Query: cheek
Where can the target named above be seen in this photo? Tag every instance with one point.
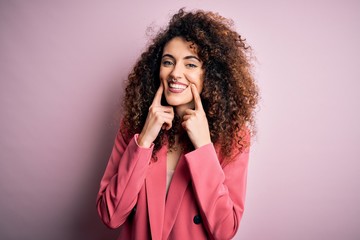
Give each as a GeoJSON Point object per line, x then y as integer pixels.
{"type": "Point", "coordinates": [162, 77]}
{"type": "Point", "coordinates": [200, 85]}
{"type": "Point", "coordinates": [161, 74]}
{"type": "Point", "coordinates": [198, 80]}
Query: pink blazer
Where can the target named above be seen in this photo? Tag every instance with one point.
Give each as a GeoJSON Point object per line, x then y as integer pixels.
{"type": "Point", "coordinates": [204, 200]}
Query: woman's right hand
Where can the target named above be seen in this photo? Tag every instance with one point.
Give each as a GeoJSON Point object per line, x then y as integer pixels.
{"type": "Point", "coordinates": [159, 117]}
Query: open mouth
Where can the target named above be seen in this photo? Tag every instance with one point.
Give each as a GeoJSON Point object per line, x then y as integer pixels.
{"type": "Point", "coordinates": [177, 87]}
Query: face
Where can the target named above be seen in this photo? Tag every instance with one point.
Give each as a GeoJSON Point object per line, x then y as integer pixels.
{"type": "Point", "coordinates": [180, 66]}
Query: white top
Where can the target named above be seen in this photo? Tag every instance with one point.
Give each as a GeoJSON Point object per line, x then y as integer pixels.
{"type": "Point", "coordinates": [169, 176]}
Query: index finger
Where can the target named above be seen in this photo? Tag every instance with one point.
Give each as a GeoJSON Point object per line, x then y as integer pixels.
{"type": "Point", "coordinates": [196, 95]}
{"type": "Point", "coordinates": [158, 95]}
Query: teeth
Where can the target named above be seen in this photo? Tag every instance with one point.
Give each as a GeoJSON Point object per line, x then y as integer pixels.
{"type": "Point", "coordinates": [177, 86]}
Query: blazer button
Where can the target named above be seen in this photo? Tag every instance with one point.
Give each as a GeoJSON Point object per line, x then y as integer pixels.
{"type": "Point", "coordinates": [197, 219]}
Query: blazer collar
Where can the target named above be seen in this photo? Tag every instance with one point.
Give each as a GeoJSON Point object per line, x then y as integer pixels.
{"type": "Point", "coordinates": [177, 188]}
{"type": "Point", "coordinates": [163, 210]}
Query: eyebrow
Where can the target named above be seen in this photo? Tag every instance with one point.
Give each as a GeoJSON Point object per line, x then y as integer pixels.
{"type": "Point", "coordinates": [187, 57]}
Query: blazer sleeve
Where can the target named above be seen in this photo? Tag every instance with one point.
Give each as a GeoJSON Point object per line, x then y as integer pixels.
{"type": "Point", "coordinates": [122, 180]}
{"type": "Point", "coordinates": [220, 192]}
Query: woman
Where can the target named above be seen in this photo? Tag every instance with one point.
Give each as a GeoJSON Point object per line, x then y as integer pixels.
{"type": "Point", "coordinates": [179, 163]}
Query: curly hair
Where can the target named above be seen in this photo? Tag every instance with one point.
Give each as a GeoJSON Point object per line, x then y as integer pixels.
{"type": "Point", "coordinates": [229, 95]}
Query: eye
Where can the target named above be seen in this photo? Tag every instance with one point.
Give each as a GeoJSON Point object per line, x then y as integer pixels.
{"type": "Point", "coordinates": [167, 63]}
{"type": "Point", "coordinates": [190, 65]}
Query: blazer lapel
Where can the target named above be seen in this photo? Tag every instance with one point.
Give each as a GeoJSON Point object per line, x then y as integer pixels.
{"type": "Point", "coordinates": [177, 188]}
{"type": "Point", "coordinates": [155, 189]}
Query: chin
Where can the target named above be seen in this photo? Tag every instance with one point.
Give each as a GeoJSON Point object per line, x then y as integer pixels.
{"type": "Point", "coordinates": [176, 102]}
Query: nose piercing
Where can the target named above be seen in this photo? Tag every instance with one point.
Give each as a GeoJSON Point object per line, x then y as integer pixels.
{"type": "Point", "coordinates": [174, 80]}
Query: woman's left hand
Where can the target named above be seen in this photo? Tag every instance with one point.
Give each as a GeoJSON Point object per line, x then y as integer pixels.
{"type": "Point", "coordinates": [195, 122]}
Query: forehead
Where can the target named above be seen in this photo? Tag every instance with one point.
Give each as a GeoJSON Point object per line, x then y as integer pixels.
{"type": "Point", "coordinates": [181, 46]}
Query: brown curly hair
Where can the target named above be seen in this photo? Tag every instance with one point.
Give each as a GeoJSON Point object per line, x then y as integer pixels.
{"type": "Point", "coordinates": [229, 94]}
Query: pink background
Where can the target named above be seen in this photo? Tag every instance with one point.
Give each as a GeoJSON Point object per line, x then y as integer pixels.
{"type": "Point", "coordinates": [62, 66]}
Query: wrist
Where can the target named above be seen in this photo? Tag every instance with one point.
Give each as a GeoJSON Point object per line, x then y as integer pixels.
{"type": "Point", "coordinates": [199, 145]}
{"type": "Point", "coordinates": [142, 142]}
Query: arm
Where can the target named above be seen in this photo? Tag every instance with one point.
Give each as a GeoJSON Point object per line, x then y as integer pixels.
{"type": "Point", "coordinates": [220, 192]}
{"type": "Point", "coordinates": [122, 180]}
{"type": "Point", "coordinates": [125, 174]}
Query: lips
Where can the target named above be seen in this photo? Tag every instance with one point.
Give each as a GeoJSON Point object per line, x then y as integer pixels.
{"type": "Point", "coordinates": [177, 87]}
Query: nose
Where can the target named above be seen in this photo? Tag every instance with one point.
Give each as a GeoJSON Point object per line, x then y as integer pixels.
{"type": "Point", "coordinates": [176, 72]}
